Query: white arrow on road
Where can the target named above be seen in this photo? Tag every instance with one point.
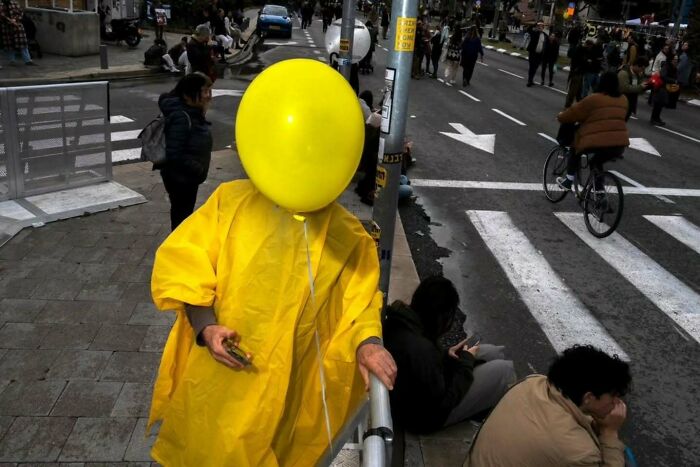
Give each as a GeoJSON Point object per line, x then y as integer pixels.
{"type": "Point", "coordinates": [466, 136]}
{"type": "Point", "coordinates": [226, 92]}
{"type": "Point", "coordinates": [640, 144]}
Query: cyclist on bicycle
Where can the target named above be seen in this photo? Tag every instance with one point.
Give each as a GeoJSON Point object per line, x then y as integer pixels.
{"type": "Point", "coordinates": [602, 131]}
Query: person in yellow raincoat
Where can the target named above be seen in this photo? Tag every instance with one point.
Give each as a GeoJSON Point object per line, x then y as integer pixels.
{"type": "Point", "coordinates": [294, 294]}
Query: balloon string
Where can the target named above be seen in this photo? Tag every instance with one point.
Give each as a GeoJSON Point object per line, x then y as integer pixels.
{"type": "Point", "coordinates": [317, 338]}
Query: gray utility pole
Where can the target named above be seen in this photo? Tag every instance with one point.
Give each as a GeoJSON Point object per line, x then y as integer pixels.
{"type": "Point", "coordinates": [397, 78]}
{"type": "Point", "coordinates": [347, 34]}
{"type": "Point", "coordinates": [679, 18]}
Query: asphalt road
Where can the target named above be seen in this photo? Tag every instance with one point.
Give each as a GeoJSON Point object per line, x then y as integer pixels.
{"type": "Point", "coordinates": [526, 278]}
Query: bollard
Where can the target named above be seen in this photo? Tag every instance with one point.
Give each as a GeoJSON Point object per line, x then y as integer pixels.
{"type": "Point", "coordinates": [104, 64]}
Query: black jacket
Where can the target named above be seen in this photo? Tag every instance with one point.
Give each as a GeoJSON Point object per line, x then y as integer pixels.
{"type": "Point", "coordinates": [429, 383]}
{"type": "Point", "coordinates": [199, 56]}
{"type": "Point", "coordinates": [534, 39]}
{"type": "Point", "coordinates": [187, 143]}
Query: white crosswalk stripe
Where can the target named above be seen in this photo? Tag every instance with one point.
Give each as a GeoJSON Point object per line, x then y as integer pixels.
{"type": "Point", "coordinates": [556, 307]}
{"type": "Point", "coordinates": [679, 228]}
{"type": "Point", "coordinates": [673, 297]}
{"type": "Point", "coordinates": [561, 315]}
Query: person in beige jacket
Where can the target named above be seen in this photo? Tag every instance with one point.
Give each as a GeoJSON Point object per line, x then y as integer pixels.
{"type": "Point", "coordinates": [571, 417]}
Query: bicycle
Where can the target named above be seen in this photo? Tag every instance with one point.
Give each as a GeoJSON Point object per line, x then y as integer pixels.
{"type": "Point", "coordinates": [600, 197]}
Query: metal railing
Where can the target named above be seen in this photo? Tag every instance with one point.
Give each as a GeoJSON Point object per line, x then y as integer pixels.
{"type": "Point", "coordinates": [369, 431]}
{"type": "Point", "coordinates": [53, 137]}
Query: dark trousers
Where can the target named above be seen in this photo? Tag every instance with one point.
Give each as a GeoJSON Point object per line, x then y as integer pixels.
{"type": "Point", "coordinates": [468, 70]}
{"type": "Point", "coordinates": [574, 91]}
{"type": "Point", "coordinates": [656, 112]}
{"type": "Point", "coordinates": [535, 60]}
{"type": "Point", "coordinates": [182, 198]}
{"type": "Point", "coordinates": [596, 158]}
{"type": "Point", "coordinates": [632, 107]}
{"type": "Point", "coordinates": [435, 56]}
{"type": "Point", "coordinates": [427, 63]}
{"type": "Point", "coordinates": [547, 65]}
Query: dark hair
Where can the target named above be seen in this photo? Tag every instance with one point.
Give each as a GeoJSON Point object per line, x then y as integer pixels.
{"type": "Point", "coordinates": [609, 84]}
{"type": "Point", "coordinates": [584, 368]}
{"type": "Point", "coordinates": [435, 301]}
{"type": "Point", "coordinates": [184, 39]}
{"type": "Point", "coordinates": [367, 96]}
{"type": "Point", "coordinates": [642, 62]}
{"type": "Point", "coordinates": [191, 86]}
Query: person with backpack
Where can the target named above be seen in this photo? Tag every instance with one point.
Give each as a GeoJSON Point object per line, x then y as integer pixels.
{"type": "Point", "coordinates": [188, 143]}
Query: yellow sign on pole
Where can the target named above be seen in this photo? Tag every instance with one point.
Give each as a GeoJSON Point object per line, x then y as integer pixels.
{"type": "Point", "coordinates": [344, 45]}
{"type": "Point", "coordinates": [405, 34]}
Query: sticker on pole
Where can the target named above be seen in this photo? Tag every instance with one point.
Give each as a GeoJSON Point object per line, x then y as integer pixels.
{"type": "Point", "coordinates": [387, 100]}
{"type": "Point", "coordinates": [405, 34]}
{"type": "Point", "coordinates": [344, 45]}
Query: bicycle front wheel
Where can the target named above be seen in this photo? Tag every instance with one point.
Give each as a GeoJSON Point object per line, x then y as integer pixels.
{"type": "Point", "coordinates": [554, 166]}
{"type": "Point", "coordinates": [603, 203]}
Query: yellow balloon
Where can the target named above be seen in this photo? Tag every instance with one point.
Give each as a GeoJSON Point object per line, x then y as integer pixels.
{"type": "Point", "coordinates": [299, 134]}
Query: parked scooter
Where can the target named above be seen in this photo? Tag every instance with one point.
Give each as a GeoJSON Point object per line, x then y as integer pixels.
{"type": "Point", "coordinates": [124, 29]}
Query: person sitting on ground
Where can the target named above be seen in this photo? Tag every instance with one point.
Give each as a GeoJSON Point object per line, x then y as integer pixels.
{"type": "Point", "coordinates": [437, 387]}
{"type": "Point", "coordinates": [602, 132]}
{"type": "Point", "coordinates": [176, 54]}
{"type": "Point", "coordinates": [221, 31]}
{"type": "Point", "coordinates": [632, 83]}
{"type": "Point", "coordinates": [572, 416]}
{"type": "Point", "coordinates": [153, 56]}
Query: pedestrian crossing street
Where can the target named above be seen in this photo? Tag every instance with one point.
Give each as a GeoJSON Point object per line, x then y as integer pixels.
{"type": "Point", "coordinates": [557, 308]}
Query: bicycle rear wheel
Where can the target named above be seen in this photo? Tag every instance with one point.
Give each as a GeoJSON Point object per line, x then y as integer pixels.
{"type": "Point", "coordinates": [554, 166]}
{"type": "Point", "coordinates": [603, 204]}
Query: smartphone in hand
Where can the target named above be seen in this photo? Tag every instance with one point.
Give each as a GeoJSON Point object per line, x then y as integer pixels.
{"type": "Point", "coordinates": [472, 340]}
{"type": "Point", "coordinates": [234, 351]}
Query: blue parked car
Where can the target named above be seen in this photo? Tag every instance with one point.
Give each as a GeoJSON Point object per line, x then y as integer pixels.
{"type": "Point", "coordinates": [275, 20]}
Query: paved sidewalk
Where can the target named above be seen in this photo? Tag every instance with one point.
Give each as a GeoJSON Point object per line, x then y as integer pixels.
{"type": "Point", "coordinates": [80, 341]}
{"type": "Point", "coordinates": [124, 62]}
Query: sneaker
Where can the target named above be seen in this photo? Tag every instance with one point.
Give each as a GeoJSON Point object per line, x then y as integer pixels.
{"type": "Point", "coordinates": [30, 63]}
{"type": "Point", "coordinates": [564, 183]}
{"type": "Point", "coordinates": [529, 84]}
{"type": "Point", "coordinates": [658, 122]}
{"type": "Point", "coordinates": [551, 85]}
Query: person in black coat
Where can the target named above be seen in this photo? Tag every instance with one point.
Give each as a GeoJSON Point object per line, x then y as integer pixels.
{"type": "Point", "coordinates": [437, 387]}
{"type": "Point", "coordinates": [188, 143]}
{"type": "Point", "coordinates": [536, 50]}
{"type": "Point", "coordinates": [199, 52]}
{"type": "Point", "coordinates": [550, 57]}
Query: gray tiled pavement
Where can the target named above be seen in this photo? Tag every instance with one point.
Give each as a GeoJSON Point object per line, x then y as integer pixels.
{"type": "Point", "coordinates": [80, 340]}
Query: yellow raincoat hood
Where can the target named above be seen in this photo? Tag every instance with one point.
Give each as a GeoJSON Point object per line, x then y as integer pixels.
{"type": "Point", "coordinates": [247, 258]}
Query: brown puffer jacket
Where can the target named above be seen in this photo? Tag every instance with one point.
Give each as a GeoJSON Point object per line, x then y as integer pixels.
{"type": "Point", "coordinates": [602, 120]}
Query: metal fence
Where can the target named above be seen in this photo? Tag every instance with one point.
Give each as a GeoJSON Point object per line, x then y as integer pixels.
{"type": "Point", "coordinates": [53, 137]}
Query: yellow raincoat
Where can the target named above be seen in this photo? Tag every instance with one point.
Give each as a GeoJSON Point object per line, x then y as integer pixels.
{"type": "Point", "coordinates": [247, 258]}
